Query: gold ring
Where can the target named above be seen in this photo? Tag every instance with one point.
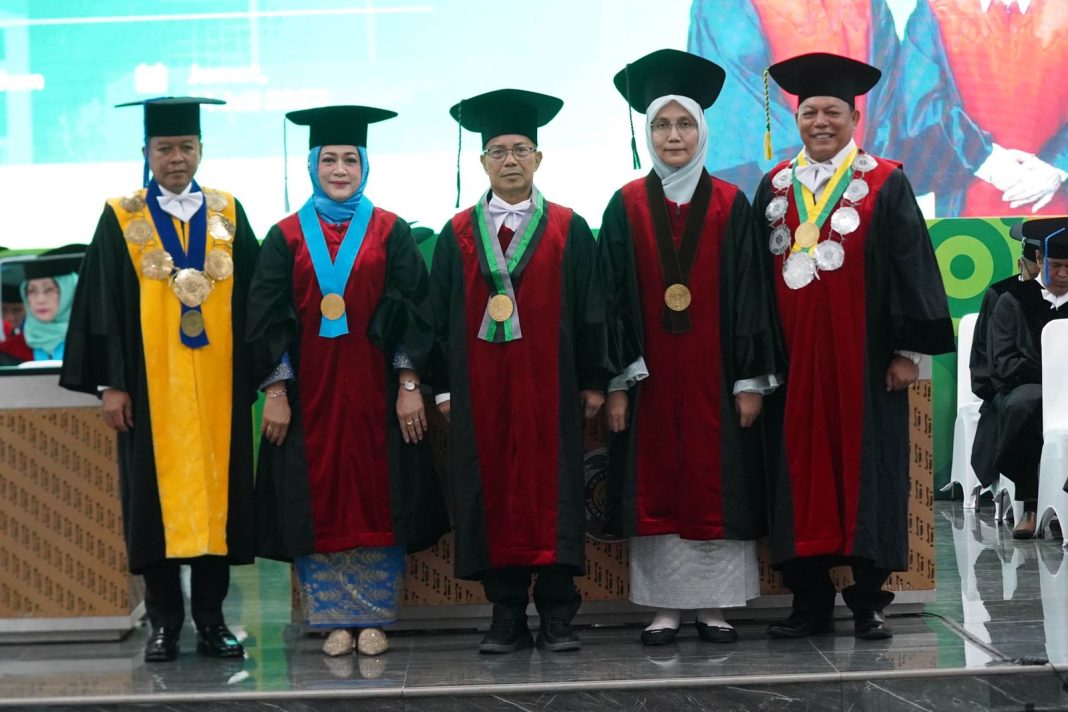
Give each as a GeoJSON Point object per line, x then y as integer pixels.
{"type": "Point", "coordinates": [409, 422]}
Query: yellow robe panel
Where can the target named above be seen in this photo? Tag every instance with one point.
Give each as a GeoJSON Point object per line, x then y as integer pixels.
{"type": "Point", "coordinates": [190, 397]}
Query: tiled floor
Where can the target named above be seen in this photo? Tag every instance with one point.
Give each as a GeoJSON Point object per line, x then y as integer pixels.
{"type": "Point", "coordinates": [1002, 607]}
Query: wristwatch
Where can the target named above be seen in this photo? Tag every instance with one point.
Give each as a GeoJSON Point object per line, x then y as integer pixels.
{"type": "Point", "coordinates": [409, 384]}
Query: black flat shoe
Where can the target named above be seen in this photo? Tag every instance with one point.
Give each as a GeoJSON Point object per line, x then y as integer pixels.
{"type": "Point", "coordinates": [715, 633]}
{"type": "Point", "coordinates": [870, 625]}
{"type": "Point", "coordinates": [800, 625]}
{"type": "Point", "coordinates": [216, 641]}
{"type": "Point", "coordinates": [162, 645]}
{"type": "Point", "coordinates": [506, 636]}
{"type": "Point", "coordinates": [556, 635]}
{"type": "Point", "coordinates": [660, 636]}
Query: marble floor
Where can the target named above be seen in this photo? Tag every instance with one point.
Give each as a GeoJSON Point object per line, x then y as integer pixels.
{"type": "Point", "coordinates": [995, 639]}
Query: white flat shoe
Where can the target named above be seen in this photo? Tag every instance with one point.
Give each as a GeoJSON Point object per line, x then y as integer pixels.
{"type": "Point", "coordinates": [339, 642]}
{"type": "Point", "coordinates": [372, 641]}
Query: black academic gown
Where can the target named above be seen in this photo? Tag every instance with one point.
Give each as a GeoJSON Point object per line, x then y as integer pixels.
{"type": "Point", "coordinates": [1016, 355]}
{"type": "Point", "coordinates": [984, 451]}
{"type": "Point", "coordinates": [105, 348]}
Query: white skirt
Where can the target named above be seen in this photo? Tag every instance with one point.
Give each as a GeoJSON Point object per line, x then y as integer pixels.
{"type": "Point", "coordinates": [669, 572]}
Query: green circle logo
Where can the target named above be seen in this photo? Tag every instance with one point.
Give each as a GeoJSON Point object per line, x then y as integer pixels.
{"type": "Point", "coordinates": [971, 253]}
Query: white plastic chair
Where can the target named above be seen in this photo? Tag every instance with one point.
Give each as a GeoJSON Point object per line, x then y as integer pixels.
{"type": "Point", "coordinates": [961, 472]}
{"type": "Point", "coordinates": [1053, 470]}
{"type": "Point", "coordinates": [1005, 498]}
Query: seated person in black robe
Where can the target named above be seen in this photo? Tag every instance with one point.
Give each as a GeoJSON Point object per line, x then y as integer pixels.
{"type": "Point", "coordinates": [983, 450]}
{"type": "Point", "coordinates": [1016, 358]}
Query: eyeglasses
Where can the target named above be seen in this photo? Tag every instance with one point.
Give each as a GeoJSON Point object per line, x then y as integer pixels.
{"type": "Point", "coordinates": [498, 153]}
{"type": "Point", "coordinates": [683, 126]}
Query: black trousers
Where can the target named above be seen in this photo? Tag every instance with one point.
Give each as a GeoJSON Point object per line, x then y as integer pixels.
{"type": "Point", "coordinates": [1019, 442]}
{"type": "Point", "coordinates": [210, 579]}
{"type": "Point", "coordinates": [809, 579]}
{"type": "Point", "coordinates": [555, 595]}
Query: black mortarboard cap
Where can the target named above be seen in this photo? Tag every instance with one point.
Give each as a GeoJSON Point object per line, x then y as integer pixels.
{"type": "Point", "coordinates": [56, 262]}
{"type": "Point", "coordinates": [1030, 247]}
{"type": "Point", "coordinates": [12, 274]}
{"type": "Point", "coordinates": [172, 115]}
{"type": "Point", "coordinates": [669, 71]}
{"type": "Point", "coordinates": [823, 74]}
{"type": "Point", "coordinates": [338, 125]}
{"type": "Point", "coordinates": [1050, 233]}
{"type": "Point", "coordinates": [506, 111]}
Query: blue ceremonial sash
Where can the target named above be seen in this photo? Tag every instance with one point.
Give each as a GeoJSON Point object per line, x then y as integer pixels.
{"type": "Point", "coordinates": [333, 276]}
{"type": "Point", "coordinates": [191, 259]}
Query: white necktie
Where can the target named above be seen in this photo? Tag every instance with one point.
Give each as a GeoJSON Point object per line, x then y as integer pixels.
{"type": "Point", "coordinates": [814, 176]}
{"type": "Point", "coordinates": [183, 206]}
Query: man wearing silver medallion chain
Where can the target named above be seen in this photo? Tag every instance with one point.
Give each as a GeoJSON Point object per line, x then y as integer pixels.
{"type": "Point", "coordinates": [860, 298]}
{"type": "Point", "coordinates": [157, 329]}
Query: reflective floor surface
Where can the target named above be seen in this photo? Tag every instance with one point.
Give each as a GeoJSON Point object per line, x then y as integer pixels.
{"type": "Point", "coordinates": [1001, 613]}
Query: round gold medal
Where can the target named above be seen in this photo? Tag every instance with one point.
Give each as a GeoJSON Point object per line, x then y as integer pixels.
{"type": "Point", "coordinates": [677, 297]}
{"type": "Point", "coordinates": [218, 265]}
{"type": "Point", "coordinates": [332, 306]}
{"type": "Point", "coordinates": [216, 201]}
{"type": "Point", "coordinates": [157, 264]}
{"type": "Point", "coordinates": [500, 308]}
{"type": "Point", "coordinates": [192, 324]}
{"type": "Point", "coordinates": [221, 228]}
{"type": "Point", "coordinates": [807, 234]}
{"type": "Point", "coordinates": [133, 203]}
{"type": "Point", "coordinates": [191, 287]}
{"type": "Point", "coordinates": [138, 232]}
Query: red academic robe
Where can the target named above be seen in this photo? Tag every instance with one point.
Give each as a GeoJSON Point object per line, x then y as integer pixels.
{"type": "Point", "coordinates": [839, 476]}
{"type": "Point", "coordinates": [343, 478]}
{"type": "Point", "coordinates": [684, 466]}
{"type": "Point", "coordinates": [516, 462]}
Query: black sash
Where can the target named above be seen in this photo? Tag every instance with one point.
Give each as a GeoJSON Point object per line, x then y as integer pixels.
{"type": "Point", "coordinates": [675, 266]}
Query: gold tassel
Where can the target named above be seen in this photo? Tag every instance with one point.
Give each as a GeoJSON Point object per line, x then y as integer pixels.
{"type": "Point", "coordinates": [767, 119]}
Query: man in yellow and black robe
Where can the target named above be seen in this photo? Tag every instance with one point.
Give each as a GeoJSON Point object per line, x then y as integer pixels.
{"type": "Point", "coordinates": [157, 329]}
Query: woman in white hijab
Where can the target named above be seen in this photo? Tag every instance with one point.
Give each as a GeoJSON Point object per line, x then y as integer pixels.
{"type": "Point", "coordinates": [694, 327]}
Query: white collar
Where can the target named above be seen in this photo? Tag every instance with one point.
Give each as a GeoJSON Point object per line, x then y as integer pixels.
{"type": "Point", "coordinates": [1024, 5]}
{"type": "Point", "coordinates": [182, 205]}
{"type": "Point", "coordinates": [1056, 301]}
{"type": "Point", "coordinates": [501, 211]}
{"type": "Point", "coordinates": [836, 159]}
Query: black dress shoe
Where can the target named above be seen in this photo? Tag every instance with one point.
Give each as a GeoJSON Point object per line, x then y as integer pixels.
{"type": "Point", "coordinates": [216, 641]}
{"type": "Point", "coordinates": [715, 633]}
{"type": "Point", "coordinates": [870, 625]}
{"type": "Point", "coordinates": [659, 636]}
{"type": "Point", "coordinates": [799, 625]}
{"type": "Point", "coordinates": [162, 645]}
{"type": "Point", "coordinates": [556, 635]}
{"type": "Point", "coordinates": [507, 636]}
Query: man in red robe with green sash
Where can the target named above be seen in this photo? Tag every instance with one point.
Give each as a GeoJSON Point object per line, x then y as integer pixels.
{"type": "Point", "coordinates": [519, 358]}
{"type": "Point", "coordinates": [860, 299]}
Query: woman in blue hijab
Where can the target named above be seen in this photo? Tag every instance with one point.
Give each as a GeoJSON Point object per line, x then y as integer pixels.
{"type": "Point", "coordinates": [340, 329]}
{"type": "Point", "coordinates": [47, 293]}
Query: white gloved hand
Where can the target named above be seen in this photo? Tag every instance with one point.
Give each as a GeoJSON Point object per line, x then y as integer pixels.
{"type": "Point", "coordinates": [1003, 168]}
{"type": "Point", "coordinates": [1038, 185]}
